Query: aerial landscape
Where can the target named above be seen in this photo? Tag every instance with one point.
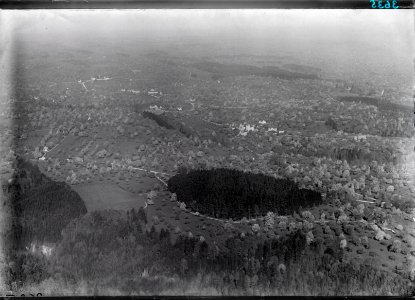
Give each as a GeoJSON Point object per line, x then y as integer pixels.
{"type": "Point", "coordinates": [251, 153]}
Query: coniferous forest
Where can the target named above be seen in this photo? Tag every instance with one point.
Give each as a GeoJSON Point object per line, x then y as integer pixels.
{"type": "Point", "coordinates": [227, 193]}
{"type": "Point", "coordinates": [41, 207]}
{"type": "Point", "coordinates": [112, 252]}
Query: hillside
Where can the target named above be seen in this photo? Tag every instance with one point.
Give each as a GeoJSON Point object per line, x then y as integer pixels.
{"type": "Point", "coordinates": [40, 207]}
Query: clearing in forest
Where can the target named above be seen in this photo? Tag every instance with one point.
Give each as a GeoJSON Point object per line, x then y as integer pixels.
{"type": "Point", "coordinates": [101, 196]}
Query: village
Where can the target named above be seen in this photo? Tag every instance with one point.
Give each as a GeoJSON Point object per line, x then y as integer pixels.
{"type": "Point", "coordinates": [297, 131]}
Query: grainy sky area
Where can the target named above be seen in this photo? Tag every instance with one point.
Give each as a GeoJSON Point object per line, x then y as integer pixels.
{"type": "Point", "coordinates": [367, 25]}
{"type": "Point", "coordinates": [387, 35]}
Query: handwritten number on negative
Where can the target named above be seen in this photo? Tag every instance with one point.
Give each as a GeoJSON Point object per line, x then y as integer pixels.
{"type": "Point", "coordinates": [23, 295]}
{"type": "Point", "coordinates": [387, 5]}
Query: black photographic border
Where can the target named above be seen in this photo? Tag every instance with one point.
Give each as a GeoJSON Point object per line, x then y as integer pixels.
{"type": "Point", "coordinates": [195, 4]}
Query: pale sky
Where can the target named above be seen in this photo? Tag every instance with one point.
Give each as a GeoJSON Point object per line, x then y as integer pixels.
{"type": "Point", "coordinates": [382, 25]}
{"type": "Point", "coordinates": [389, 33]}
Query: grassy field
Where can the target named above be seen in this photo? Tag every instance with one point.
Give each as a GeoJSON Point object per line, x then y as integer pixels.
{"type": "Point", "coordinates": [107, 195]}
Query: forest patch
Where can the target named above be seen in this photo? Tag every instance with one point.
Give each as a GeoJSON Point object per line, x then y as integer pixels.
{"type": "Point", "coordinates": [227, 193]}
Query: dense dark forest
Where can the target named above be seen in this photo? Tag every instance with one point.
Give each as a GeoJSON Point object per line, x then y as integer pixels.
{"type": "Point", "coordinates": [223, 70]}
{"type": "Point", "coordinates": [331, 124]}
{"type": "Point", "coordinates": [164, 121]}
{"type": "Point", "coordinates": [159, 119]}
{"type": "Point", "coordinates": [302, 68]}
{"type": "Point", "coordinates": [40, 207]}
{"type": "Point", "coordinates": [381, 104]}
{"type": "Point", "coordinates": [351, 152]}
{"type": "Point", "coordinates": [124, 247]}
{"type": "Point", "coordinates": [122, 251]}
{"type": "Point", "coordinates": [46, 210]}
{"type": "Point", "coordinates": [111, 249]}
{"type": "Point", "coordinates": [226, 193]}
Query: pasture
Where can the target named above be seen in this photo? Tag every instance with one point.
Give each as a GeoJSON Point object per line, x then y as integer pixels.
{"type": "Point", "coordinates": [108, 195]}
